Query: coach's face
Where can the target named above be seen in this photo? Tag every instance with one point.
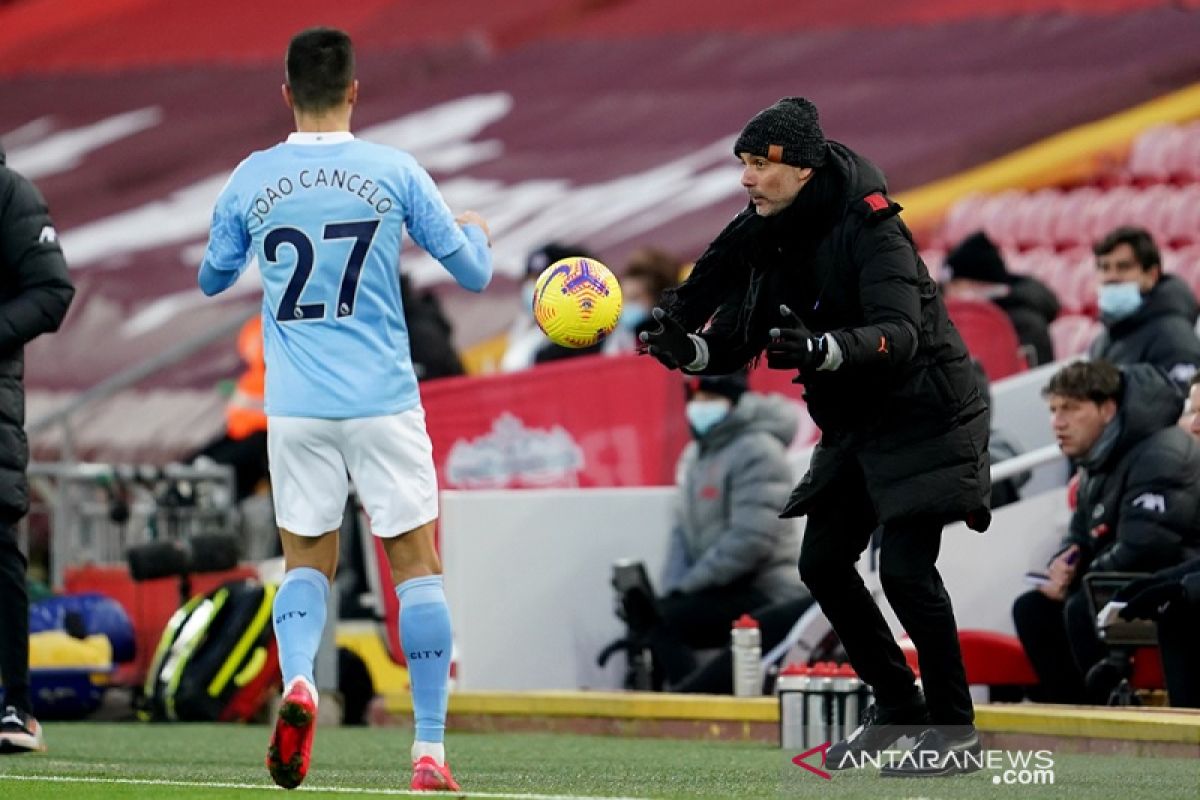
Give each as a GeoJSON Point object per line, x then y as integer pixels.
{"type": "Point", "coordinates": [772, 186]}
{"type": "Point", "coordinates": [1077, 424]}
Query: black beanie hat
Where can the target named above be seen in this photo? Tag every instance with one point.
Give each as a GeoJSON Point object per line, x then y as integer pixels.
{"type": "Point", "coordinates": [788, 132]}
{"type": "Point", "coordinates": [731, 386]}
{"type": "Point", "coordinates": [977, 258]}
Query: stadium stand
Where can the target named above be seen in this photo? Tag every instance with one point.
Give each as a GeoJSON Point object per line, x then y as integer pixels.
{"type": "Point", "coordinates": [1047, 233]}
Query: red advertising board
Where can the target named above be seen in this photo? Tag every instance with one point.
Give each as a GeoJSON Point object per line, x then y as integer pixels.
{"type": "Point", "coordinates": [589, 421]}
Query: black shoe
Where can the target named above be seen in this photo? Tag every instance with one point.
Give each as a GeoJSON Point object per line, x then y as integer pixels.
{"type": "Point", "coordinates": [20, 732]}
{"type": "Point", "coordinates": [939, 752]}
{"type": "Point", "coordinates": [880, 729]}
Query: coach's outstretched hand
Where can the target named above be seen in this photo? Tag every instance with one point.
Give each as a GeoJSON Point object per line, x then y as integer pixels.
{"type": "Point", "coordinates": [795, 347]}
{"type": "Point", "coordinates": [668, 341]}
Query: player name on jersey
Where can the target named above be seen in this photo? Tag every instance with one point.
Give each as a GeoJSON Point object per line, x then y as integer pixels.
{"type": "Point", "coordinates": [352, 182]}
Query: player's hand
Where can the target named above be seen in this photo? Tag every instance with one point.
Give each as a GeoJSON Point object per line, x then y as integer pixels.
{"type": "Point", "coordinates": [474, 218]}
{"type": "Point", "coordinates": [795, 346]}
{"type": "Point", "coordinates": [668, 341]}
{"type": "Point", "coordinates": [1149, 598]}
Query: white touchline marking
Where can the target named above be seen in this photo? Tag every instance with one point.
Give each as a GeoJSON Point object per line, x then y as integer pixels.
{"type": "Point", "coordinates": [333, 789]}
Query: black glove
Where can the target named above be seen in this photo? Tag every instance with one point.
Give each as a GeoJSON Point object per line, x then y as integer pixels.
{"type": "Point", "coordinates": [1151, 599]}
{"type": "Point", "coordinates": [795, 347]}
{"type": "Point", "coordinates": [668, 341]}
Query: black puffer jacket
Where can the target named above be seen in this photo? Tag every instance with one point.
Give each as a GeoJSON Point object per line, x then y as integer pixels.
{"type": "Point", "coordinates": [1161, 332]}
{"type": "Point", "coordinates": [1031, 306]}
{"type": "Point", "coordinates": [1139, 508]}
{"type": "Point", "coordinates": [904, 403]}
{"type": "Point", "coordinates": [35, 292]}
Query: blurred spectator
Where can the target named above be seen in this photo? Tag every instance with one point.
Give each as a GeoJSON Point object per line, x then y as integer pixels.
{"type": "Point", "coordinates": [1136, 510]}
{"type": "Point", "coordinates": [1148, 317]}
{"type": "Point", "coordinates": [244, 443]}
{"type": "Point", "coordinates": [978, 270]}
{"type": "Point", "coordinates": [527, 345]}
{"type": "Point", "coordinates": [730, 553]}
{"type": "Point", "coordinates": [430, 334]}
{"type": "Point", "coordinates": [650, 272]}
{"type": "Point", "coordinates": [35, 292]}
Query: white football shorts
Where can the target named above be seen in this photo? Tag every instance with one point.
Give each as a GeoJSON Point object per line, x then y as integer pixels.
{"type": "Point", "coordinates": [389, 458]}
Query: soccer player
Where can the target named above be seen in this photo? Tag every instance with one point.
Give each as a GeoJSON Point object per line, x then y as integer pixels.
{"type": "Point", "coordinates": [324, 213]}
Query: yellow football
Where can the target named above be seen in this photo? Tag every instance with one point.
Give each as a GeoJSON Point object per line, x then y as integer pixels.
{"type": "Point", "coordinates": [577, 302]}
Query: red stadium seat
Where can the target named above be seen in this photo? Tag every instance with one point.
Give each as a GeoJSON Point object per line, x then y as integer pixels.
{"type": "Point", "coordinates": [990, 658]}
{"type": "Point", "coordinates": [989, 336]}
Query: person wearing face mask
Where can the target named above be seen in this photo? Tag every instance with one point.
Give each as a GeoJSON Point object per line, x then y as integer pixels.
{"type": "Point", "coordinates": [819, 271]}
{"type": "Point", "coordinates": [729, 551]}
{"type": "Point", "coordinates": [1149, 317]}
{"type": "Point", "coordinates": [650, 273]}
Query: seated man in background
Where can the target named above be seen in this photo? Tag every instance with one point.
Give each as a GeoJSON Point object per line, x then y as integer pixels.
{"type": "Point", "coordinates": [1136, 511]}
{"type": "Point", "coordinates": [977, 270]}
{"type": "Point", "coordinates": [1149, 317]}
{"type": "Point", "coordinates": [730, 553]}
{"type": "Point", "coordinates": [1171, 597]}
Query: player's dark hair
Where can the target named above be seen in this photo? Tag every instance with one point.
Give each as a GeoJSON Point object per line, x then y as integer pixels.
{"type": "Point", "coordinates": [1138, 239]}
{"type": "Point", "coordinates": [320, 68]}
{"type": "Point", "coordinates": [1096, 381]}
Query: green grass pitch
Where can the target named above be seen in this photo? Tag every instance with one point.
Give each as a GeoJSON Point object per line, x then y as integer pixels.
{"type": "Point", "coordinates": [94, 761]}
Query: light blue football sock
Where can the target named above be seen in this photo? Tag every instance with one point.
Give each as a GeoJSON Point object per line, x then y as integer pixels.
{"type": "Point", "coordinates": [426, 637]}
{"type": "Point", "coordinates": [299, 614]}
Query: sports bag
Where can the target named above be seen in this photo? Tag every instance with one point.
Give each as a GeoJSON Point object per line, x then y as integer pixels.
{"type": "Point", "coordinates": [217, 658]}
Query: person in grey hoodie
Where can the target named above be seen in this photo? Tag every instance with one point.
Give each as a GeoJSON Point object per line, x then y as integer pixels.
{"type": "Point", "coordinates": [730, 553]}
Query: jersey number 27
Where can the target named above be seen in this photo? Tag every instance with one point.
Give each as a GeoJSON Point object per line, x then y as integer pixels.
{"type": "Point", "coordinates": [290, 308]}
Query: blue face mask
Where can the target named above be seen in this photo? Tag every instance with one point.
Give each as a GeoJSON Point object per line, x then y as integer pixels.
{"type": "Point", "coordinates": [1118, 300]}
{"type": "Point", "coordinates": [703, 415]}
{"type": "Point", "coordinates": [633, 315]}
{"type": "Point", "coordinates": [527, 289]}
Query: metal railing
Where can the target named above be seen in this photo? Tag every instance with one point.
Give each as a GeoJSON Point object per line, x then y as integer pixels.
{"type": "Point", "coordinates": [92, 513]}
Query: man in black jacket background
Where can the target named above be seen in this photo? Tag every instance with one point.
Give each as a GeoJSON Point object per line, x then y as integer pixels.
{"type": "Point", "coordinates": [35, 292]}
{"type": "Point", "coordinates": [1136, 512]}
{"type": "Point", "coordinates": [820, 271]}
{"type": "Point", "coordinates": [1149, 317]}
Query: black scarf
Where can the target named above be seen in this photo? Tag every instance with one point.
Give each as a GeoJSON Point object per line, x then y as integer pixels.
{"type": "Point", "coordinates": [742, 257]}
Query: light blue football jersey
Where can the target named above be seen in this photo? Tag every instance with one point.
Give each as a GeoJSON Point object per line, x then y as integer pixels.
{"type": "Point", "coordinates": [325, 216]}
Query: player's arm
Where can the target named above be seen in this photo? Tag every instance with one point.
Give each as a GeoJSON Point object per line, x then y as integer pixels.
{"type": "Point", "coordinates": [462, 245]}
{"type": "Point", "coordinates": [226, 256]}
{"type": "Point", "coordinates": [471, 264]}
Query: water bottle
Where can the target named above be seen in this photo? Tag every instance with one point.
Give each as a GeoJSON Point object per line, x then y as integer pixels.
{"type": "Point", "coordinates": [819, 705]}
{"type": "Point", "coordinates": [792, 687]}
{"type": "Point", "coordinates": [847, 688]}
{"type": "Point", "coordinates": [746, 644]}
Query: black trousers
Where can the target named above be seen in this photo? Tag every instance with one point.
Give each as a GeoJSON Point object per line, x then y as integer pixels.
{"type": "Point", "coordinates": [1179, 638]}
{"type": "Point", "coordinates": [696, 621]}
{"type": "Point", "coordinates": [1060, 640]}
{"type": "Point", "coordinates": [14, 621]}
{"type": "Point", "coordinates": [839, 529]}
